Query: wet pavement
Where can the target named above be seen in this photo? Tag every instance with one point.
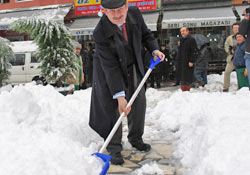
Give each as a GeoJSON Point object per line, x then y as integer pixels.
{"type": "Point", "coordinates": [160, 154]}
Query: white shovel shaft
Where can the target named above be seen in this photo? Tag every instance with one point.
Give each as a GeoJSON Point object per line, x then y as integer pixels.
{"type": "Point", "coordinates": [117, 124]}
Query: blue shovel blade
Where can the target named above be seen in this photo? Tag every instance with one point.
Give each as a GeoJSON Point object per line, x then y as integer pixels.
{"type": "Point", "coordinates": [106, 159]}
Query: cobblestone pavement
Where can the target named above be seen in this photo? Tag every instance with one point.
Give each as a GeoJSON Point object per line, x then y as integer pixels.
{"type": "Point", "coordinates": [161, 154]}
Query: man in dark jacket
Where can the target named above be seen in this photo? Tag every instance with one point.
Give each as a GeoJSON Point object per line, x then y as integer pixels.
{"type": "Point", "coordinates": [117, 70]}
{"type": "Point", "coordinates": [239, 61]}
{"type": "Point", "coordinates": [187, 53]}
{"type": "Point", "coordinates": [245, 31]}
{"type": "Point", "coordinates": [201, 65]}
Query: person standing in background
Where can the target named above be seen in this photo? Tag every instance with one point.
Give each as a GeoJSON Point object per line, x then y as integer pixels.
{"type": "Point", "coordinates": [229, 46]}
{"type": "Point", "coordinates": [164, 66]}
{"type": "Point", "coordinates": [245, 31]}
{"type": "Point", "coordinates": [186, 57]}
{"type": "Point", "coordinates": [78, 78]}
{"type": "Point", "coordinates": [201, 64]}
{"type": "Point", "coordinates": [239, 61]}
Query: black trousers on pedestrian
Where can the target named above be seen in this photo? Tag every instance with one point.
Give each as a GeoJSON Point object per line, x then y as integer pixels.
{"type": "Point", "coordinates": [136, 118]}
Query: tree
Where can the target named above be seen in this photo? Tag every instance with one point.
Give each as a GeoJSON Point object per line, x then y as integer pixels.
{"type": "Point", "coordinates": [5, 53]}
{"type": "Point", "coordinates": [56, 49]}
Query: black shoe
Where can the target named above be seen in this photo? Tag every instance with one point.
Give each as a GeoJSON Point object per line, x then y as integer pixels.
{"type": "Point", "coordinates": [116, 158]}
{"type": "Point", "coordinates": [141, 146]}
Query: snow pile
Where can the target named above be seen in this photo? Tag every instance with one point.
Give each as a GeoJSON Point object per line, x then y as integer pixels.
{"type": "Point", "coordinates": [45, 133]}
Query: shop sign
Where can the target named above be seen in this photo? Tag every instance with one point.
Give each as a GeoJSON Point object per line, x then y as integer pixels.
{"type": "Point", "coordinates": [92, 7]}
{"type": "Point", "coordinates": [82, 32]}
{"type": "Point", "coordinates": [192, 24]}
{"type": "Point", "coordinates": [4, 27]}
{"type": "Point", "coordinates": [167, 2]}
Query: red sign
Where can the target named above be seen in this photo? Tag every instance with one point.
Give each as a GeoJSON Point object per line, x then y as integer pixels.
{"type": "Point", "coordinates": [92, 7]}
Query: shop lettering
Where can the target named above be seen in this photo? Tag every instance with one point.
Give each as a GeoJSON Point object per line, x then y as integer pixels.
{"type": "Point", "coordinates": [145, 3]}
{"type": "Point", "coordinates": [173, 25]}
{"type": "Point", "coordinates": [190, 24]}
{"type": "Point", "coordinates": [4, 27]}
{"type": "Point", "coordinates": [86, 1]}
{"type": "Point", "coordinates": [216, 23]}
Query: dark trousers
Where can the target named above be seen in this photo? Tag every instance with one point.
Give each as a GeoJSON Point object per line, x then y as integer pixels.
{"type": "Point", "coordinates": [136, 120]}
{"type": "Point", "coordinates": [155, 77]}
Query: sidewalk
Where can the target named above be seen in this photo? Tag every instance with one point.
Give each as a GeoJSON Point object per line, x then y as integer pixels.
{"type": "Point", "coordinates": [161, 154]}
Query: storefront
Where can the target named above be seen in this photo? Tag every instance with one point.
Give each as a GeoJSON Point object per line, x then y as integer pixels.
{"type": "Point", "coordinates": [86, 11]}
{"type": "Point", "coordinates": [213, 23]}
{"type": "Point", "coordinates": [211, 18]}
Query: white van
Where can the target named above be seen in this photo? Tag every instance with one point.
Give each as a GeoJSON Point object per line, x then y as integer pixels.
{"type": "Point", "coordinates": [24, 65]}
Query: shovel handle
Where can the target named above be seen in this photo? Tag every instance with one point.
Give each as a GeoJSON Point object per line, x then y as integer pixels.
{"type": "Point", "coordinates": [118, 122]}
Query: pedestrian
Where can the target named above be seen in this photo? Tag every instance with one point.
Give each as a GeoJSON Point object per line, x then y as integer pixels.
{"type": "Point", "coordinates": [117, 70]}
{"type": "Point", "coordinates": [201, 64]}
{"type": "Point", "coordinates": [187, 53]}
{"type": "Point", "coordinates": [90, 65]}
{"type": "Point", "coordinates": [78, 77]}
{"type": "Point", "coordinates": [229, 47]}
{"type": "Point", "coordinates": [239, 61]}
{"type": "Point", "coordinates": [164, 66]}
{"type": "Point", "coordinates": [84, 55]}
{"type": "Point", "coordinates": [245, 31]}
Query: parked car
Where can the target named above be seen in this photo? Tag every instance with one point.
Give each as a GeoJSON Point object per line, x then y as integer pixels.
{"type": "Point", "coordinates": [24, 65]}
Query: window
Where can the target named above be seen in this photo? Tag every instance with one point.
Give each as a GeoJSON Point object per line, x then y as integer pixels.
{"type": "Point", "coordinates": [34, 59]}
{"type": "Point", "coordinates": [4, 1]}
{"type": "Point", "coordinates": [18, 60]}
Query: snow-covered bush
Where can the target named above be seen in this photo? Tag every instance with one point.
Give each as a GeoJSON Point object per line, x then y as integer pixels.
{"type": "Point", "coordinates": [5, 52]}
{"type": "Point", "coordinates": [56, 49]}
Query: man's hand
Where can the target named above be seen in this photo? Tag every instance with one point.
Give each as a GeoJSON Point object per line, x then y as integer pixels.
{"type": "Point", "coordinates": [159, 54]}
{"type": "Point", "coordinates": [190, 64]}
{"type": "Point", "coordinates": [122, 104]}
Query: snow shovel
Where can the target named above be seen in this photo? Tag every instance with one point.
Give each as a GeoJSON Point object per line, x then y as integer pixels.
{"type": "Point", "coordinates": [104, 157]}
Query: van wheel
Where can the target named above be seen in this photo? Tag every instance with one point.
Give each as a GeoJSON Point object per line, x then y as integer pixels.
{"type": "Point", "coordinates": [40, 81]}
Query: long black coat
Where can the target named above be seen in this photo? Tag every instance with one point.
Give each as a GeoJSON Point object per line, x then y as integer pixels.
{"type": "Point", "coordinates": [187, 52]}
{"type": "Point", "coordinates": [110, 67]}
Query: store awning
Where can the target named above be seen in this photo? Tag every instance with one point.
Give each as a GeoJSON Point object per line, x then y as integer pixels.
{"type": "Point", "coordinates": [211, 17]}
{"type": "Point", "coordinates": [86, 25]}
{"type": "Point", "coordinates": [83, 26]}
{"type": "Point", "coordinates": [240, 9]}
{"type": "Point", "coordinates": [53, 12]}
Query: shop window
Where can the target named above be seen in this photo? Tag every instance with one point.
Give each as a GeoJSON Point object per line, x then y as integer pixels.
{"type": "Point", "coordinates": [4, 1]}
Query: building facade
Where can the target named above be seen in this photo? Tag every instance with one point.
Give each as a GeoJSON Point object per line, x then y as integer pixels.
{"type": "Point", "coordinates": [210, 18]}
{"type": "Point", "coordinates": [12, 10]}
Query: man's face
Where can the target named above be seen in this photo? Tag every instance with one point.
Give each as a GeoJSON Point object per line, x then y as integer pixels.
{"type": "Point", "coordinates": [118, 15]}
{"type": "Point", "coordinates": [240, 38]}
{"type": "Point", "coordinates": [236, 29]}
{"type": "Point", "coordinates": [184, 32]}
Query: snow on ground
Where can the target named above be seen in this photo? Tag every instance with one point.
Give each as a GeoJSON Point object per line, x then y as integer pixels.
{"type": "Point", "coordinates": [45, 133]}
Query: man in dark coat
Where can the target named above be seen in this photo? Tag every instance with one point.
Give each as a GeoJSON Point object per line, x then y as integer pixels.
{"type": "Point", "coordinates": [187, 53]}
{"type": "Point", "coordinates": [117, 70]}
